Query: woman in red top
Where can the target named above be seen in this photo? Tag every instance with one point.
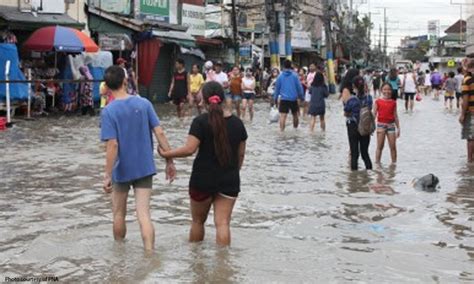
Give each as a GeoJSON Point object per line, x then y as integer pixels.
{"type": "Point", "coordinates": [388, 125]}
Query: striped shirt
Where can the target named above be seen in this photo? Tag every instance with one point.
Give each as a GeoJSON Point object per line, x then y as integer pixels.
{"type": "Point", "coordinates": [468, 92]}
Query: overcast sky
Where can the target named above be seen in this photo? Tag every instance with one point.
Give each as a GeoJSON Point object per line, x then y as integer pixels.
{"type": "Point", "coordinates": [410, 17]}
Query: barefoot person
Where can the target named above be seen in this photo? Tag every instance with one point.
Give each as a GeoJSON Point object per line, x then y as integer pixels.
{"type": "Point", "coordinates": [388, 124]}
{"type": "Point", "coordinates": [196, 81]}
{"type": "Point", "coordinates": [358, 142]}
{"type": "Point", "coordinates": [288, 89]}
{"type": "Point", "coordinates": [248, 92]}
{"type": "Point", "coordinates": [317, 106]}
{"type": "Point", "coordinates": [234, 97]}
{"type": "Point", "coordinates": [220, 138]}
{"type": "Point", "coordinates": [179, 87]}
{"type": "Point", "coordinates": [467, 110]}
{"type": "Point", "coordinates": [126, 126]}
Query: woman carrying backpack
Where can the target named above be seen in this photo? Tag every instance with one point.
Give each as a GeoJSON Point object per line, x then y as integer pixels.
{"type": "Point", "coordinates": [358, 112]}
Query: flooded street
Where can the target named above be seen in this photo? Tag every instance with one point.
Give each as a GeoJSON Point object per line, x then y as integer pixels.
{"type": "Point", "coordinates": [303, 216]}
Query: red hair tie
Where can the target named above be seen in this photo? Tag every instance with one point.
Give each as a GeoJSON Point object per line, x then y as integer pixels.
{"type": "Point", "coordinates": [214, 99]}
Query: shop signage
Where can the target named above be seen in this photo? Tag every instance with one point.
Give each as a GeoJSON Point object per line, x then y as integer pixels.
{"type": "Point", "coordinates": [300, 39]}
{"type": "Point", "coordinates": [158, 10]}
{"type": "Point", "coordinates": [194, 17]}
{"type": "Point", "coordinates": [113, 6]}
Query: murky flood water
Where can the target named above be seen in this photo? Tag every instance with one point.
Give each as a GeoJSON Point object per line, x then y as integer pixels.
{"type": "Point", "coordinates": [302, 215]}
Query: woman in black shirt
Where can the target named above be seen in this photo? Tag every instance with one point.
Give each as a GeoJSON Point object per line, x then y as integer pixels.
{"type": "Point", "coordinates": [215, 179]}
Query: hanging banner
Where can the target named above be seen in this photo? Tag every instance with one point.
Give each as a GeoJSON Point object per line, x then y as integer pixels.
{"type": "Point", "coordinates": [194, 17]}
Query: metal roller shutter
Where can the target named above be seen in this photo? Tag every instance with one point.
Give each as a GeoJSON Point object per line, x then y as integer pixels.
{"type": "Point", "coordinates": [160, 84]}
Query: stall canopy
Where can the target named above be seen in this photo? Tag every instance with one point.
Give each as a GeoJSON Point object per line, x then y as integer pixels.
{"type": "Point", "coordinates": [180, 38]}
{"type": "Point", "coordinates": [12, 18]}
{"type": "Point", "coordinates": [18, 91]}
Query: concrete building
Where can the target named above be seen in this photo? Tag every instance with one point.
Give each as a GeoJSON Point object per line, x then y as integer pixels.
{"type": "Point", "coordinates": [469, 8]}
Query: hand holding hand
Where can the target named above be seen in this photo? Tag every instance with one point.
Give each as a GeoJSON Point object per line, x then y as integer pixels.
{"type": "Point", "coordinates": [462, 118]}
{"type": "Point", "coordinates": [170, 172]}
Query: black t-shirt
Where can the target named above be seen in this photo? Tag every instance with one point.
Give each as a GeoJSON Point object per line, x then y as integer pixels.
{"type": "Point", "coordinates": [208, 175]}
{"type": "Point", "coordinates": [180, 84]}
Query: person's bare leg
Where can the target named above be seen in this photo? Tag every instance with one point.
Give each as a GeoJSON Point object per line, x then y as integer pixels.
{"type": "Point", "coordinates": [199, 212]}
{"type": "Point", "coordinates": [392, 142]}
{"type": "Point", "coordinates": [244, 108]}
{"type": "Point", "coordinates": [296, 120]}
{"type": "Point", "coordinates": [251, 109]}
{"type": "Point", "coordinates": [223, 207]}
{"type": "Point", "coordinates": [119, 211]}
{"type": "Point", "coordinates": [412, 105]}
{"type": "Point", "coordinates": [142, 200]}
{"type": "Point", "coordinates": [323, 122]}
{"type": "Point", "coordinates": [312, 123]}
{"type": "Point", "coordinates": [228, 104]}
{"type": "Point", "coordinates": [470, 151]}
{"type": "Point", "coordinates": [283, 117]}
{"type": "Point", "coordinates": [380, 146]}
{"type": "Point", "coordinates": [237, 107]}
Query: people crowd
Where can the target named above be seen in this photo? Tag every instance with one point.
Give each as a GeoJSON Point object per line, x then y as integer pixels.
{"type": "Point", "coordinates": [218, 134]}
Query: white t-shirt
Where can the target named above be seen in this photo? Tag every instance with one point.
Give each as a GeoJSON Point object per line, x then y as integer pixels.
{"type": "Point", "coordinates": [247, 82]}
{"type": "Point", "coordinates": [459, 80]}
{"type": "Point", "coordinates": [427, 80]}
{"type": "Point", "coordinates": [221, 78]}
{"type": "Point", "coordinates": [410, 84]}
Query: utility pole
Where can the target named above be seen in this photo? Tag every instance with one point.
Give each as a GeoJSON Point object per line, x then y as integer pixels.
{"type": "Point", "coordinates": [235, 33]}
{"type": "Point", "coordinates": [270, 14]}
{"type": "Point", "coordinates": [327, 18]}
{"type": "Point", "coordinates": [288, 49]}
{"type": "Point", "coordinates": [385, 35]}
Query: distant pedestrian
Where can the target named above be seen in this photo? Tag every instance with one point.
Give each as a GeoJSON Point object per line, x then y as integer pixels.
{"type": "Point", "coordinates": [309, 81]}
{"type": "Point", "coordinates": [85, 91]}
{"type": "Point", "coordinates": [127, 125]}
{"type": "Point", "coordinates": [427, 85]}
{"type": "Point", "coordinates": [304, 84]}
{"type": "Point", "coordinates": [376, 83]}
{"type": "Point", "coordinates": [179, 89]}
{"type": "Point", "coordinates": [459, 80]}
{"type": "Point", "coordinates": [196, 81]}
{"type": "Point", "coordinates": [450, 87]}
{"type": "Point", "coordinates": [234, 97]}
{"type": "Point", "coordinates": [409, 89]}
{"type": "Point", "coordinates": [317, 106]}
{"type": "Point", "coordinates": [388, 124]}
{"type": "Point", "coordinates": [394, 80]}
{"type": "Point", "coordinates": [359, 143]}
{"type": "Point", "coordinates": [272, 82]}
{"type": "Point", "coordinates": [248, 92]}
{"type": "Point", "coordinates": [288, 89]}
{"type": "Point", "coordinates": [436, 83]}
{"type": "Point", "coordinates": [220, 139]}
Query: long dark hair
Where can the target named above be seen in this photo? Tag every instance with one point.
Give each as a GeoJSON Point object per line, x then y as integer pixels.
{"type": "Point", "coordinates": [347, 81]}
{"type": "Point", "coordinates": [359, 85]}
{"type": "Point", "coordinates": [318, 80]}
{"type": "Point", "coordinates": [213, 94]}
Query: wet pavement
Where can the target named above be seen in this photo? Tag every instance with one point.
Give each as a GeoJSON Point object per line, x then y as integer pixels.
{"type": "Point", "coordinates": [302, 215]}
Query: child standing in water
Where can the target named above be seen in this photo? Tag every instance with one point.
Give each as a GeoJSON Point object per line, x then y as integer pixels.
{"type": "Point", "coordinates": [220, 138]}
{"type": "Point", "coordinates": [450, 86]}
{"type": "Point", "coordinates": [317, 106]}
{"type": "Point", "coordinates": [388, 124]}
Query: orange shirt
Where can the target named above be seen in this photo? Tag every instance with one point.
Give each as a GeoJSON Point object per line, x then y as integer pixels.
{"type": "Point", "coordinates": [236, 85]}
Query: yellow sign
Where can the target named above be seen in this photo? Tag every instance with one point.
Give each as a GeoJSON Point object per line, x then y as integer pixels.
{"type": "Point", "coordinates": [451, 63]}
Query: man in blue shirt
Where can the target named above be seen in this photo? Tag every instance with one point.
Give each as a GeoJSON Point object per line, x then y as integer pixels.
{"type": "Point", "coordinates": [127, 125]}
{"type": "Point", "coordinates": [288, 89]}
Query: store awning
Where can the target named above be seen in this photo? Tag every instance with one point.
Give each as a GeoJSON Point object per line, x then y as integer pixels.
{"type": "Point", "coordinates": [177, 37]}
{"type": "Point", "coordinates": [12, 18]}
{"type": "Point", "coordinates": [200, 40]}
